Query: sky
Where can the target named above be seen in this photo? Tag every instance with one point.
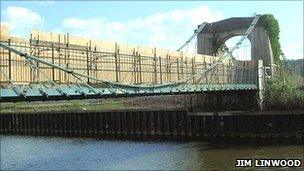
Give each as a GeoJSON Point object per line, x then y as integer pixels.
{"type": "Point", "coordinates": [163, 24]}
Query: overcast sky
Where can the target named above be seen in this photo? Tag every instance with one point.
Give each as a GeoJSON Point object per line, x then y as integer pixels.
{"type": "Point", "coordinates": [161, 24]}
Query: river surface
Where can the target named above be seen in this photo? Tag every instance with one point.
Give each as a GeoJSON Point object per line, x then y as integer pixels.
{"type": "Point", "coordinates": [56, 153]}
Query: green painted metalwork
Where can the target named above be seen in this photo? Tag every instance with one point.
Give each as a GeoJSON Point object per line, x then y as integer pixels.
{"type": "Point", "coordinates": [83, 89]}
{"type": "Point", "coordinates": [80, 90]}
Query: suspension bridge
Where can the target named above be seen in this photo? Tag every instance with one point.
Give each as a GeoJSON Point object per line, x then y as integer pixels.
{"type": "Point", "coordinates": [225, 73]}
{"type": "Point", "coordinates": [45, 70]}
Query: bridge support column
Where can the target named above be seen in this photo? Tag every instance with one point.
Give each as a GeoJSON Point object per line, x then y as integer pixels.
{"type": "Point", "coordinates": [260, 84]}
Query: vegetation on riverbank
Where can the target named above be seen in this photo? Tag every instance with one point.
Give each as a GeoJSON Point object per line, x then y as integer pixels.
{"type": "Point", "coordinates": [128, 103]}
{"type": "Point", "coordinates": [73, 105]}
{"type": "Point", "coordinates": [285, 92]}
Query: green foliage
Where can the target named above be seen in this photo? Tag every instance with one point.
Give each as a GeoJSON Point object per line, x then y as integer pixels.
{"type": "Point", "coordinates": [215, 43]}
{"type": "Point", "coordinates": [272, 26]}
{"type": "Point", "coordinates": [284, 92]}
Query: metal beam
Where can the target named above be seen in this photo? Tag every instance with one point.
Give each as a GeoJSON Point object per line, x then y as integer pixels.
{"type": "Point", "coordinates": [201, 27]}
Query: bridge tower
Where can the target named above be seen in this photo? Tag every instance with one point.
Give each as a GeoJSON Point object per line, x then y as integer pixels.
{"type": "Point", "coordinates": [214, 35]}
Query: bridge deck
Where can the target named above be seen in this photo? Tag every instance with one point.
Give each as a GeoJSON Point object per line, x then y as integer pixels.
{"type": "Point", "coordinates": [66, 92]}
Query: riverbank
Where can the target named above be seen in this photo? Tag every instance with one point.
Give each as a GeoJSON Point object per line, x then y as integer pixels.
{"type": "Point", "coordinates": [128, 103]}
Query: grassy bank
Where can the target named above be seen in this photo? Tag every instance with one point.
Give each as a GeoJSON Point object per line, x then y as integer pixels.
{"type": "Point", "coordinates": [73, 105]}
{"type": "Point", "coordinates": [155, 102]}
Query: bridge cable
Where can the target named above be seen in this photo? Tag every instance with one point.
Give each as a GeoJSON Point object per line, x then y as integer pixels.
{"type": "Point", "coordinates": [248, 31]}
{"type": "Point", "coordinates": [201, 27]}
{"type": "Point", "coordinates": [69, 71]}
{"type": "Point", "coordinates": [41, 90]}
{"type": "Point", "coordinates": [285, 60]}
{"type": "Point", "coordinates": [122, 85]}
{"type": "Point", "coordinates": [229, 53]}
{"type": "Point", "coordinates": [15, 89]}
{"type": "Point", "coordinates": [57, 88]}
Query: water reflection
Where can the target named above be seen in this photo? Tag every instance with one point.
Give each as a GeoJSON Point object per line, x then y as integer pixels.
{"type": "Point", "coordinates": [55, 153]}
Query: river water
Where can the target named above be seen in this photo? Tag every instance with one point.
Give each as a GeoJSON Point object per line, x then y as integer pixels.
{"type": "Point", "coordinates": [56, 153]}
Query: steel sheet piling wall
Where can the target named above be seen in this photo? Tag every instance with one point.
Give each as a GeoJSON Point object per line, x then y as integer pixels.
{"type": "Point", "coordinates": [152, 124]}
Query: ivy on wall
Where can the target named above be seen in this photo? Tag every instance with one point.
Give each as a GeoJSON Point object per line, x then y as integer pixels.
{"type": "Point", "coordinates": [215, 43]}
{"type": "Point", "coordinates": [272, 26]}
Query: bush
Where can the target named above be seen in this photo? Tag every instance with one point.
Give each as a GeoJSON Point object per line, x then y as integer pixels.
{"type": "Point", "coordinates": [283, 92]}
